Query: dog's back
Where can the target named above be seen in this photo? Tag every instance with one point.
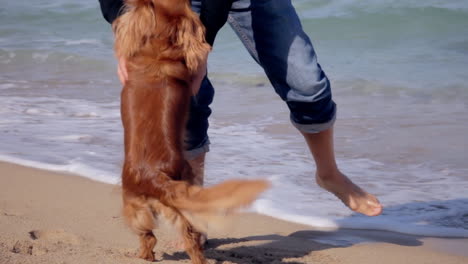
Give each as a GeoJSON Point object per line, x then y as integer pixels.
{"type": "Point", "coordinates": [163, 42]}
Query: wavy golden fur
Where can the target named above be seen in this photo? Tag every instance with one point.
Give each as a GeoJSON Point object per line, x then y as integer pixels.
{"type": "Point", "coordinates": [163, 43]}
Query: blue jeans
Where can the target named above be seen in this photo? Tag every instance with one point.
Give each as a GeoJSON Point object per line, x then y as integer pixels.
{"type": "Point", "coordinates": [272, 33]}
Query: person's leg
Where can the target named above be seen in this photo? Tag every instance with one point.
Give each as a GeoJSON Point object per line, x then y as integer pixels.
{"type": "Point", "coordinates": [196, 139]}
{"type": "Point", "coordinates": [272, 33]}
{"type": "Point", "coordinates": [330, 178]}
{"type": "Point", "coordinates": [198, 167]}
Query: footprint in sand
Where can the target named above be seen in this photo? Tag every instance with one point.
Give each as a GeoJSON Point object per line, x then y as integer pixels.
{"type": "Point", "coordinates": [23, 247]}
{"type": "Point", "coordinates": [45, 241]}
{"type": "Point", "coordinates": [9, 213]}
{"type": "Point", "coordinates": [55, 236]}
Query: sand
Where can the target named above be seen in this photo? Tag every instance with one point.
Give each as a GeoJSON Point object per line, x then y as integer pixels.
{"type": "Point", "coordinates": [48, 217]}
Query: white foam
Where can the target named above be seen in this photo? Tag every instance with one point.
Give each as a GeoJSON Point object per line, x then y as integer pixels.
{"type": "Point", "coordinates": [346, 8]}
{"type": "Point", "coordinates": [82, 41]}
{"type": "Point", "coordinates": [73, 168]}
{"type": "Point", "coordinates": [38, 111]}
{"type": "Point", "coordinates": [50, 106]}
{"type": "Point", "coordinates": [264, 206]}
{"type": "Point", "coordinates": [41, 57]}
{"type": "Point", "coordinates": [7, 85]}
{"type": "Point", "coordinates": [76, 137]}
{"type": "Point", "coordinates": [85, 114]}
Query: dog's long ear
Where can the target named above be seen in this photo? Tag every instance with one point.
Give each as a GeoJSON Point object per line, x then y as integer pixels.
{"type": "Point", "coordinates": [133, 28]}
{"type": "Point", "coordinates": [187, 32]}
{"type": "Point", "coordinates": [191, 37]}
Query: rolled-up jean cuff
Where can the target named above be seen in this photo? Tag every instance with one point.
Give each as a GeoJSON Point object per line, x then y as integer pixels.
{"type": "Point", "coordinates": [197, 151]}
{"type": "Point", "coordinates": [315, 128]}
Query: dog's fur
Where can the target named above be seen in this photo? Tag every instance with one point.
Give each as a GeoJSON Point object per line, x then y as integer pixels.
{"type": "Point", "coordinates": [163, 43]}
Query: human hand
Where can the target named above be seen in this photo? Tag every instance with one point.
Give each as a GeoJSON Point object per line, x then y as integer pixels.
{"type": "Point", "coordinates": [198, 76]}
{"type": "Point", "coordinates": [122, 70]}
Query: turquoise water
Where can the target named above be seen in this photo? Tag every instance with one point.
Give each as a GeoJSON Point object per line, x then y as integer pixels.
{"type": "Point", "coordinates": [398, 71]}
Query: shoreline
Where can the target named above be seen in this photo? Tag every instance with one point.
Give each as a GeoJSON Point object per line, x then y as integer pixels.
{"type": "Point", "coordinates": [49, 216]}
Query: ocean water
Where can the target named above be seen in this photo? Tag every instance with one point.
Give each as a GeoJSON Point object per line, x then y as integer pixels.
{"type": "Point", "coordinates": [399, 71]}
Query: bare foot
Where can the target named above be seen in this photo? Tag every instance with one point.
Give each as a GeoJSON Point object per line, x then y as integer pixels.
{"type": "Point", "coordinates": [350, 194]}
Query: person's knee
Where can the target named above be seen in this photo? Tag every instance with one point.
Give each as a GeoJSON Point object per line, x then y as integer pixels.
{"type": "Point", "coordinates": [315, 88]}
{"type": "Point", "coordinates": [305, 77]}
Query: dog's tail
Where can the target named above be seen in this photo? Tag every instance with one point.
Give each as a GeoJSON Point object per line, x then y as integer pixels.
{"type": "Point", "coordinates": [223, 197]}
{"type": "Point", "coordinates": [206, 208]}
{"type": "Point", "coordinates": [184, 196]}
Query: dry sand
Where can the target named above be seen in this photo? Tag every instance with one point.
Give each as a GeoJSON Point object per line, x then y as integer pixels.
{"type": "Point", "coordinates": [48, 217]}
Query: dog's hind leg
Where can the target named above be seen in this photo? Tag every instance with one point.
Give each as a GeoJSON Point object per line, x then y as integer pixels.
{"type": "Point", "coordinates": [147, 243]}
{"type": "Point", "coordinates": [139, 217]}
{"type": "Point", "coordinates": [191, 238]}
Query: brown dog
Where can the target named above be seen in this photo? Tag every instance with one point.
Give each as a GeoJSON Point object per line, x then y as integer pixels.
{"type": "Point", "coordinates": [163, 43]}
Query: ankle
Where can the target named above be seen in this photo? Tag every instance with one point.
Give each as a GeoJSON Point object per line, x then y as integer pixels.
{"type": "Point", "coordinates": [329, 175]}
